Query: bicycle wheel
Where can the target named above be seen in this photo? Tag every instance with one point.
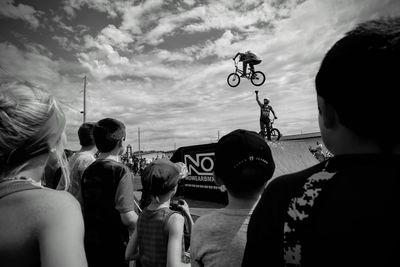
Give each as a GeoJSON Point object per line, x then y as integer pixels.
{"type": "Point", "coordinates": [258, 78]}
{"type": "Point", "coordinates": [233, 80]}
{"type": "Point", "coordinates": [275, 134]}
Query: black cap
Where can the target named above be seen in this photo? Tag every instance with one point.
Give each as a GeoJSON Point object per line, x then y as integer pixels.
{"type": "Point", "coordinates": [242, 148]}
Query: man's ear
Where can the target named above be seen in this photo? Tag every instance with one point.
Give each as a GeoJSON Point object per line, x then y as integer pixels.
{"type": "Point", "coordinates": [327, 113]}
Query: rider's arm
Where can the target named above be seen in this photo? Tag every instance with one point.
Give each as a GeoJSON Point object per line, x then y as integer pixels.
{"type": "Point", "coordinates": [272, 110]}
{"type": "Point", "coordinates": [258, 101]}
{"type": "Point", "coordinates": [236, 55]}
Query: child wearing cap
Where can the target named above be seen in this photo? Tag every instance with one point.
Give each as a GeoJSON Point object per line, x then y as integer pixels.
{"type": "Point", "coordinates": [158, 238]}
{"type": "Point", "coordinates": [243, 163]}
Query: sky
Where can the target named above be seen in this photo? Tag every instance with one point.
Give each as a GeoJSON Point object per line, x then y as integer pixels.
{"type": "Point", "coordinates": [161, 66]}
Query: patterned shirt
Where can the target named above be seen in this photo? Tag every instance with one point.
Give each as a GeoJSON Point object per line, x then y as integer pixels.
{"type": "Point", "coordinates": [153, 237]}
{"type": "Point", "coordinates": [347, 221]}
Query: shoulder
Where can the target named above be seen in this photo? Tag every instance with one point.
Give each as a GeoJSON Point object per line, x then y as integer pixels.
{"type": "Point", "coordinates": [175, 222]}
{"type": "Point", "coordinates": [205, 222]}
{"type": "Point", "coordinates": [281, 189]}
{"type": "Point", "coordinates": [85, 157]}
{"type": "Point", "coordinates": [47, 205]}
{"type": "Point", "coordinates": [292, 181]}
{"type": "Point", "coordinates": [54, 200]}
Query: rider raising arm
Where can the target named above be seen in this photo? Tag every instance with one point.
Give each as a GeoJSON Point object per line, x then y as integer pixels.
{"type": "Point", "coordinates": [265, 108]}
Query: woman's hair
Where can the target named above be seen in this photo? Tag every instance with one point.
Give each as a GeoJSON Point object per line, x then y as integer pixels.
{"type": "Point", "coordinates": [31, 124]}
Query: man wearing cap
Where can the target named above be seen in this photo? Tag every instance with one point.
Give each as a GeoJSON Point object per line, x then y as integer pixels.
{"type": "Point", "coordinates": [243, 163]}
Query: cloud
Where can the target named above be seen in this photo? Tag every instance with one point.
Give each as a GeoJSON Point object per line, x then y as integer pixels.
{"type": "Point", "coordinates": [115, 37]}
{"type": "Point", "coordinates": [30, 65]}
{"type": "Point", "coordinates": [23, 12]}
{"type": "Point", "coordinates": [106, 6]}
{"type": "Point", "coordinates": [177, 94]}
{"type": "Point", "coordinates": [134, 16]}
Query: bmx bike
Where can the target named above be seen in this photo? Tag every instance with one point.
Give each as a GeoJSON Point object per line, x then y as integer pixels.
{"type": "Point", "coordinates": [270, 133]}
{"type": "Point", "coordinates": [257, 78]}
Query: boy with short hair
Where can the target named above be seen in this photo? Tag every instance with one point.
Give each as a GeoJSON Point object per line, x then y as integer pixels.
{"type": "Point", "coordinates": [80, 160]}
{"type": "Point", "coordinates": [158, 239]}
{"type": "Point", "coordinates": [107, 191]}
{"type": "Point", "coordinates": [341, 212]}
{"type": "Point", "coordinates": [243, 163]}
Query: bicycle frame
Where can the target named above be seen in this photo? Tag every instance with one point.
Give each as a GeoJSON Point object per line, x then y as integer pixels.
{"type": "Point", "coordinates": [268, 128]}
{"type": "Point", "coordinates": [238, 70]}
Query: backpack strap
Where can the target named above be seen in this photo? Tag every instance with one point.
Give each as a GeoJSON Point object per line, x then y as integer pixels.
{"type": "Point", "coordinates": [298, 214]}
{"type": "Point", "coordinates": [10, 186]}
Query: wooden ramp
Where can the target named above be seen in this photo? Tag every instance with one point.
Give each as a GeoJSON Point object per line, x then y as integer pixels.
{"type": "Point", "coordinates": [292, 156]}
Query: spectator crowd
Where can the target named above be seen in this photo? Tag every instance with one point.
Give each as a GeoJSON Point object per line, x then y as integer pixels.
{"type": "Point", "coordinates": [81, 210]}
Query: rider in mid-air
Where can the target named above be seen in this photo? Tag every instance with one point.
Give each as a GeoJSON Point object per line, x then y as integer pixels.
{"type": "Point", "coordinates": [248, 58]}
{"type": "Point", "coordinates": [264, 115]}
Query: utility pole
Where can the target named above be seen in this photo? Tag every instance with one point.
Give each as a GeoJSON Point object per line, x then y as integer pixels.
{"type": "Point", "coordinates": [139, 142]}
{"type": "Point", "coordinates": [218, 136]}
{"type": "Point", "coordinates": [84, 100]}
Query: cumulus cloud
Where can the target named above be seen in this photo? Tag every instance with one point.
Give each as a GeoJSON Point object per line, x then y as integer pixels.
{"type": "Point", "coordinates": [140, 72]}
{"type": "Point", "coordinates": [23, 12]}
{"type": "Point", "coordinates": [134, 16]}
{"type": "Point", "coordinates": [115, 37]}
{"type": "Point", "coordinates": [106, 6]}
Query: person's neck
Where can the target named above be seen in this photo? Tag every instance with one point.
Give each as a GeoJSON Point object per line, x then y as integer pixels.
{"type": "Point", "coordinates": [154, 205]}
{"type": "Point", "coordinates": [34, 169]}
{"type": "Point", "coordinates": [90, 149]}
{"type": "Point", "coordinates": [109, 155]}
{"type": "Point", "coordinates": [243, 202]}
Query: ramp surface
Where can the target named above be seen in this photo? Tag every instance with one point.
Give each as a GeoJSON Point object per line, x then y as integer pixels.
{"type": "Point", "coordinates": [291, 156]}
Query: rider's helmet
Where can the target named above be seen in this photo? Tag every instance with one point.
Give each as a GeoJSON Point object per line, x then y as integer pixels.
{"type": "Point", "coordinates": [266, 100]}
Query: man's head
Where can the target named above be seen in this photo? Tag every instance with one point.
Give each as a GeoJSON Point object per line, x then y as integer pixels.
{"type": "Point", "coordinates": [109, 134]}
{"type": "Point", "coordinates": [266, 101]}
{"type": "Point", "coordinates": [85, 133]}
{"type": "Point", "coordinates": [161, 176]}
{"type": "Point", "coordinates": [243, 162]}
{"type": "Point", "coordinates": [358, 81]}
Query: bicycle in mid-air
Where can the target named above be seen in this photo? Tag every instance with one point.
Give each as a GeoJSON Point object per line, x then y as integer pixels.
{"type": "Point", "coordinates": [257, 78]}
{"type": "Point", "coordinates": [270, 133]}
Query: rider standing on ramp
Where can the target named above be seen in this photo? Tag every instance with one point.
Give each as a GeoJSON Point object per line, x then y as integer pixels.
{"type": "Point", "coordinates": [248, 58]}
{"type": "Point", "coordinates": [265, 121]}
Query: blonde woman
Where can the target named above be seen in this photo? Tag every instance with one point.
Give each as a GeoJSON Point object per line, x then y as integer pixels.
{"type": "Point", "coordinates": [38, 226]}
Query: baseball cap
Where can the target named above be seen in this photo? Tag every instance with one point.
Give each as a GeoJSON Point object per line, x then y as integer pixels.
{"type": "Point", "coordinates": [243, 148]}
{"type": "Point", "coordinates": [161, 176]}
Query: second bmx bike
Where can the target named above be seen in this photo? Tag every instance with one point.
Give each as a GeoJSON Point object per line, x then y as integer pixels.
{"type": "Point", "coordinates": [270, 133]}
{"type": "Point", "coordinates": [257, 78]}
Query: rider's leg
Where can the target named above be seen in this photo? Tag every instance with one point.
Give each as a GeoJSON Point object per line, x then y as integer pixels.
{"type": "Point", "coordinates": [262, 128]}
{"type": "Point", "coordinates": [251, 66]}
{"type": "Point", "coordinates": [268, 123]}
{"type": "Point", "coordinates": [244, 68]}
{"type": "Point", "coordinates": [254, 62]}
